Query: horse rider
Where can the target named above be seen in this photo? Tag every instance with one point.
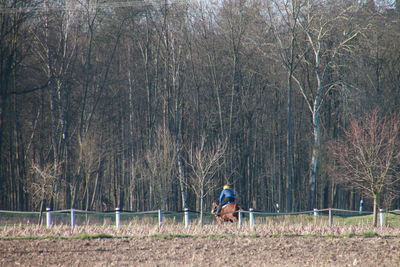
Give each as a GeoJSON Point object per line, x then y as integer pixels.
{"type": "Point", "coordinates": [227, 196]}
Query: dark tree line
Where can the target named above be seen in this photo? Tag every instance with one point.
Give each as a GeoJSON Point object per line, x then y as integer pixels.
{"type": "Point", "coordinates": [157, 104]}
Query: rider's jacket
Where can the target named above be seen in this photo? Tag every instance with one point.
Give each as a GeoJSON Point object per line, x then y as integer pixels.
{"type": "Point", "coordinates": [226, 193]}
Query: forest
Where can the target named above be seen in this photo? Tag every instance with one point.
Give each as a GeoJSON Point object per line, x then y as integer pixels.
{"type": "Point", "coordinates": [156, 104]}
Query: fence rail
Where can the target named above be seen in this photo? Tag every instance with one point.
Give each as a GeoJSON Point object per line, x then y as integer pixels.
{"type": "Point", "coordinates": [73, 217]}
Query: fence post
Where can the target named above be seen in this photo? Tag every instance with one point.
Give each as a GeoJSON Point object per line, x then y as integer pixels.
{"type": "Point", "coordinates": [187, 221]}
{"type": "Point", "coordinates": [315, 215]}
{"type": "Point", "coordinates": [251, 220]}
{"type": "Point", "coordinates": [48, 217]}
{"type": "Point", "coordinates": [117, 217]}
{"type": "Point", "coordinates": [240, 218]}
{"type": "Point", "coordinates": [382, 217]}
{"type": "Point", "coordinates": [330, 216]}
{"type": "Point", "coordinates": [160, 218]}
{"type": "Point", "coordinates": [315, 212]}
{"type": "Point", "coordinates": [72, 218]}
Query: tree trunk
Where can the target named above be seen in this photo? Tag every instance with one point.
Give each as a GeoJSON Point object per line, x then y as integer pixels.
{"type": "Point", "coordinates": [181, 174]}
{"type": "Point", "coordinates": [289, 148]}
{"type": "Point", "coordinates": [201, 206]}
{"type": "Point", "coordinates": [317, 136]}
{"type": "Point", "coordinates": [376, 197]}
{"type": "Point", "coordinates": [315, 160]}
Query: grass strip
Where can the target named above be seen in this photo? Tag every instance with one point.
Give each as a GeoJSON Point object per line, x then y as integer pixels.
{"type": "Point", "coordinates": [347, 235]}
{"type": "Point", "coordinates": [106, 236]}
{"type": "Point", "coordinates": [80, 236]}
{"type": "Point", "coordinates": [171, 236]}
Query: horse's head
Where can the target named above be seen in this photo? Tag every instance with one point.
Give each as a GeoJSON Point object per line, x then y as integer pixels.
{"type": "Point", "coordinates": [214, 207]}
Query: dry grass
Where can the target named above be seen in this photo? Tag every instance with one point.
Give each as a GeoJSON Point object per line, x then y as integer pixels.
{"type": "Point", "coordinates": [177, 230]}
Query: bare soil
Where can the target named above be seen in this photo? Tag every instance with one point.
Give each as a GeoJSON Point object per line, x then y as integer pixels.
{"type": "Point", "coordinates": [203, 251]}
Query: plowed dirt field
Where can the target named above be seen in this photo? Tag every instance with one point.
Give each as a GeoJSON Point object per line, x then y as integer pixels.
{"type": "Point", "coordinates": [203, 251]}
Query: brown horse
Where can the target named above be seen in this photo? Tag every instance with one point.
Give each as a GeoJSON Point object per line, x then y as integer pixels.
{"type": "Point", "coordinates": [228, 213]}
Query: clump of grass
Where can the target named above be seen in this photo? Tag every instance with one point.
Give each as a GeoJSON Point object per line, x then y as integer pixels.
{"type": "Point", "coordinates": [29, 237]}
{"type": "Point", "coordinates": [370, 234]}
{"type": "Point", "coordinates": [169, 236]}
{"type": "Point", "coordinates": [91, 236]}
{"type": "Point", "coordinates": [351, 234]}
{"type": "Point", "coordinates": [253, 235]}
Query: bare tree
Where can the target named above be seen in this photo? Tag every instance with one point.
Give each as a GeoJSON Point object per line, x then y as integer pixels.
{"type": "Point", "coordinates": [205, 161]}
{"type": "Point", "coordinates": [42, 187]}
{"type": "Point", "coordinates": [287, 38]}
{"type": "Point", "coordinates": [14, 35]}
{"type": "Point", "coordinates": [161, 162]}
{"type": "Point", "coordinates": [89, 160]}
{"type": "Point", "coordinates": [318, 24]}
{"type": "Point", "coordinates": [368, 157]}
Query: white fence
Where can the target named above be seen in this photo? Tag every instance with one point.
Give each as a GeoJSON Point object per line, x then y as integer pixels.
{"type": "Point", "coordinates": [70, 216]}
